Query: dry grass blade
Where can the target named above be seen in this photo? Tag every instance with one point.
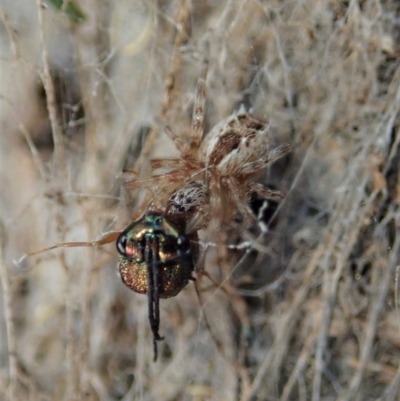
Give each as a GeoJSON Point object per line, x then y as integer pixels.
{"type": "Point", "coordinates": [9, 319]}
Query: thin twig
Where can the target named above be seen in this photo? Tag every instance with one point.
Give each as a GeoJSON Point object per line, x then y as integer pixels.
{"type": "Point", "coordinates": [59, 165]}
{"type": "Point", "coordinates": [10, 32]}
{"type": "Point", "coordinates": [170, 80]}
{"type": "Point", "coordinates": [384, 278]}
{"type": "Point", "coordinates": [9, 319]}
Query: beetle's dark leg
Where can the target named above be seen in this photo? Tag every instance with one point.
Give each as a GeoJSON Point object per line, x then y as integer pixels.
{"type": "Point", "coordinates": [152, 262]}
{"type": "Point", "coordinates": [156, 273]}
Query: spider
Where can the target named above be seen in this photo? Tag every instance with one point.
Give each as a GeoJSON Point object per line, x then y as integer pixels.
{"type": "Point", "coordinates": [212, 180]}
{"type": "Point", "coordinates": [214, 177]}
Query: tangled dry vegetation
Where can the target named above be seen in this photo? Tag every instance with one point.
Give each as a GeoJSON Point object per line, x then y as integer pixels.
{"type": "Point", "coordinates": [312, 312]}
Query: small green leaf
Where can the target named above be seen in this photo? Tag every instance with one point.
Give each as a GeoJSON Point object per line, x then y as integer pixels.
{"type": "Point", "coordinates": [69, 8]}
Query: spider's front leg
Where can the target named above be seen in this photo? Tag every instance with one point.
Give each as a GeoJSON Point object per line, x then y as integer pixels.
{"type": "Point", "coordinates": [198, 110]}
{"type": "Point", "coordinates": [186, 165]}
{"type": "Point", "coordinates": [154, 186]}
{"type": "Point", "coordinates": [240, 199]}
{"type": "Point", "coordinates": [264, 192]}
{"type": "Point", "coordinates": [149, 182]}
{"type": "Point", "coordinates": [255, 166]}
{"type": "Point", "coordinates": [182, 147]}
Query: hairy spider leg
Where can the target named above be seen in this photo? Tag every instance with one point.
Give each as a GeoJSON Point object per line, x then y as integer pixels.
{"type": "Point", "coordinates": [174, 175]}
{"type": "Point", "coordinates": [273, 156]}
{"type": "Point", "coordinates": [198, 110]}
{"type": "Point", "coordinates": [217, 213]}
{"type": "Point", "coordinates": [240, 201]}
{"type": "Point", "coordinates": [179, 143]}
{"type": "Point", "coordinates": [175, 162]}
{"type": "Point", "coordinates": [264, 192]}
{"type": "Point", "coordinates": [188, 164]}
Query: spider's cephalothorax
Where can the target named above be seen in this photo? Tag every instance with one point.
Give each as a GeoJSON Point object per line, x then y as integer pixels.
{"type": "Point", "coordinates": [157, 259]}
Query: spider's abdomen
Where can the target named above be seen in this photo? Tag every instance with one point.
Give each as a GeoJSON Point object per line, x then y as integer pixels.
{"type": "Point", "coordinates": [235, 141]}
{"type": "Point", "coordinates": [189, 206]}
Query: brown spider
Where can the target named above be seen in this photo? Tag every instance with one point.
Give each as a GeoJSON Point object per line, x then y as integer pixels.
{"type": "Point", "coordinates": [214, 177]}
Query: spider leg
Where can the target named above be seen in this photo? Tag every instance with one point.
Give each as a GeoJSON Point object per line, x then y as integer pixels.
{"type": "Point", "coordinates": [142, 182]}
{"type": "Point", "coordinates": [174, 176]}
{"type": "Point", "coordinates": [273, 156]}
{"type": "Point", "coordinates": [105, 239]}
{"type": "Point", "coordinates": [188, 164]}
{"type": "Point", "coordinates": [180, 145]}
{"type": "Point", "coordinates": [264, 192]}
{"type": "Point", "coordinates": [167, 163]}
{"type": "Point", "coordinates": [214, 219]}
{"type": "Point", "coordinates": [241, 203]}
{"type": "Point", "coordinates": [162, 184]}
{"type": "Point", "coordinates": [198, 110]}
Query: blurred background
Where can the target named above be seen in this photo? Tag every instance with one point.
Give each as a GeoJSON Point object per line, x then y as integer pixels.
{"type": "Point", "coordinates": [86, 89]}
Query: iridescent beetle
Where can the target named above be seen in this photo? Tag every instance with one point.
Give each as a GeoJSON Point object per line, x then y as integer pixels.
{"type": "Point", "coordinates": [156, 258]}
